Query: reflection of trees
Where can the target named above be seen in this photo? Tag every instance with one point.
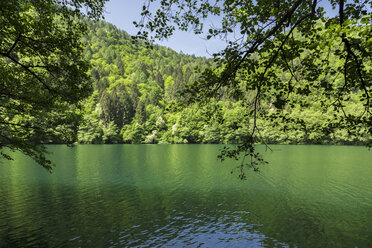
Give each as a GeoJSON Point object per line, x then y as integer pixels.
{"type": "Point", "coordinates": [122, 193]}
{"type": "Point", "coordinates": [29, 192]}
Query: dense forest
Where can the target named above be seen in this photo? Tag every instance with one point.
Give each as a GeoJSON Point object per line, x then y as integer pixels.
{"type": "Point", "coordinates": [139, 97]}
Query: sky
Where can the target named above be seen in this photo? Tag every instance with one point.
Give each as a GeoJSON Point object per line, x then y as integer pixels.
{"type": "Point", "coordinates": [122, 13]}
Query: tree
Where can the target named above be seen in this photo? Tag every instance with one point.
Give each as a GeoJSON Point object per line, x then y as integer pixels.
{"type": "Point", "coordinates": [266, 38]}
{"type": "Point", "coordinates": [140, 112]}
{"type": "Point", "coordinates": [117, 106]}
{"type": "Point", "coordinates": [43, 73]}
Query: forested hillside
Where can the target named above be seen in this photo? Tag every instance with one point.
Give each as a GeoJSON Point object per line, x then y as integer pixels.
{"type": "Point", "coordinates": [139, 97]}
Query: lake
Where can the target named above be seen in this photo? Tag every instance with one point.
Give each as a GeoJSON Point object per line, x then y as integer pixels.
{"type": "Point", "coordinates": [182, 196]}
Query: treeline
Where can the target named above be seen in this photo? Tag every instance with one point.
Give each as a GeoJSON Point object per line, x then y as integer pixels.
{"type": "Point", "coordinates": [138, 98]}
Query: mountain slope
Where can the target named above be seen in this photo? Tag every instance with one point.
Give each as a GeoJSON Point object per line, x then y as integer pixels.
{"type": "Point", "coordinates": [137, 99]}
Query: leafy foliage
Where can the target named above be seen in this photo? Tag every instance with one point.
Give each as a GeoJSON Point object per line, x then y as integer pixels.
{"type": "Point", "coordinates": [43, 74]}
{"type": "Point", "coordinates": [288, 53]}
{"type": "Point", "coordinates": [153, 82]}
{"type": "Point", "coordinates": [292, 76]}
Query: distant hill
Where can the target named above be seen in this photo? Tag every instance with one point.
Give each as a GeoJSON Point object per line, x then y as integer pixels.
{"type": "Point", "coordinates": [137, 99]}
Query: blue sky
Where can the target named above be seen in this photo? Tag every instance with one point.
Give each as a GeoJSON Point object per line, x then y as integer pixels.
{"type": "Point", "coordinates": [122, 13]}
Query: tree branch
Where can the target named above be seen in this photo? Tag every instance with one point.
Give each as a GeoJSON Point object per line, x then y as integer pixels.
{"type": "Point", "coordinates": [29, 71]}
{"type": "Point", "coordinates": [14, 44]}
{"type": "Point", "coordinates": [351, 53]}
{"type": "Point", "coordinates": [259, 41]}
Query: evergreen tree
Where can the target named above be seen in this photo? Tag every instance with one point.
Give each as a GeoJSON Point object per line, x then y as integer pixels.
{"type": "Point", "coordinates": [141, 112]}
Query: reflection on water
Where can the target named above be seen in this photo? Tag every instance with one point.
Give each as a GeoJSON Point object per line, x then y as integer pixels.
{"type": "Point", "coordinates": [181, 196]}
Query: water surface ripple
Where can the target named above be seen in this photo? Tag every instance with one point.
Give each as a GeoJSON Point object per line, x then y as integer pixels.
{"type": "Point", "coordinates": [181, 196]}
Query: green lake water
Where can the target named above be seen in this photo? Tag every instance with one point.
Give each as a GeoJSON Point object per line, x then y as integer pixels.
{"type": "Point", "coordinates": [182, 196]}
